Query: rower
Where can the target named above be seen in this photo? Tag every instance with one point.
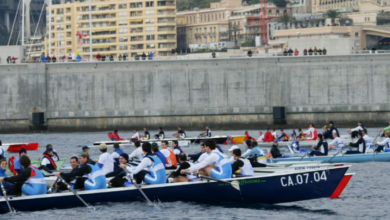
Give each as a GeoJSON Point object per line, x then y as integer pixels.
{"type": "Point", "coordinates": [215, 165]}
{"type": "Point", "coordinates": [274, 134]}
{"type": "Point", "coordinates": [206, 132]}
{"type": "Point", "coordinates": [293, 133]}
{"type": "Point", "coordinates": [383, 145]}
{"type": "Point", "coordinates": [247, 136]}
{"type": "Point", "coordinates": [86, 151]}
{"type": "Point", "coordinates": [158, 153]}
{"type": "Point", "coordinates": [354, 131]}
{"type": "Point", "coordinates": [119, 175]}
{"type": "Point", "coordinates": [180, 133]}
{"type": "Point", "coordinates": [48, 164]}
{"type": "Point", "coordinates": [295, 145]}
{"type": "Point", "coordinates": [170, 157]}
{"type": "Point", "coordinates": [136, 136]}
{"type": "Point", "coordinates": [55, 155]}
{"type": "Point", "coordinates": [115, 136]}
{"type": "Point", "coordinates": [2, 151]}
{"type": "Point", "coordinates": [199, 157]}
{"type": "Point", "coordinates": [255, 155]}
{"type": "Point", "coordinates": [115, 155]}
{"type": "Point", "coordinates": [105, 162]}
{"type": "Point", "coordinates": [89, 177]}
{"type": "Point", "coordinates": [218, 147]}
{"type": "Point", "coordinates": [160, 135]}
{"type": "Point", "coordinates": [386, 129]}
{"type": "Point", "coordinates": [275, 152]}
{"type": "Point", "coordinates": [146, 134]}
{"type": "Point", "coordinates": [337, 143]}
{"type": "Point", "coordinates": [176, 149]}
{"type": "Point", "coordinates": [150, 170]}
{"type": "Point", "coordinates": [17, 166]}
{"type": "Point", "coordinates": [268, 136]}
{"type": "Point", "coordinates": [360, 145]}
{"type": "Point", "coordinates": [261, 137]}
{"type": "Point", "coordinates": [241, 166]}
{"type": "Point", "coordinates": [332, 129]}
{"type": "Point", "coordinates": [137, 153]}
{"type": "Point", "coordinates": [367, 139]}
{"type": "Point", "coordinates": [74, 164]}
{"type": "Point", "coordinates": [283, 136]}
{"type": "Point", "coordinates": [3, 173]}
{"type": "Point", "coordinates": [311, 132]}
{"type": "Point", "coordinates": [184, 164]}
{"type": "Point", "coordinates": [30, 181]}
{"type": "Point", "coordinates": [326, 133]}
{"type": "Point", "coordinates": [322, 147]}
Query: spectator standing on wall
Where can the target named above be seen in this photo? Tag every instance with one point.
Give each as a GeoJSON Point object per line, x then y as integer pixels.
{"type": "Point", "coordinates": [305, 52]}
{"type": "Point", "coordinates": [290, 52]}
{"type": "Point", "coordinates": [69, 58]}
{"type": "Point", "coordinates": [296, 52]}
{"type": "Point", "coordinates": [120, 57]}
{"type": "Point", "coordinates": [143, 56]}
{"type": "Point", "coordinates": [324, 51]}
{"type": "Point", "coordinates": [8, 59]}
{"type": "Point", "coordinates": [103, 58]}
{"type": "Point", "coordinates": [315, 51]}
{"type": "Point", "coordinates": [99, 57]}
{"type": "Point", "coordinates": [250, 53]}
{"type": "Point", "coordinates": [111, 57]}
{"type": "Point", "coordinates": [320, 51]}
{"type": "Point", "coordinates": [54, 59]}
{"type": "Point", "coordinates": [310, 51]}
{"type": "Point", "coordinates": [213, 54]}
{"type": "Point", "coordinates": [48, 59]}
{"type": "Point", "coordinates": [136, 56]}
{"type": "Point", "coordinates": [124, 57]}
{"type": "Point", "coordinates": [151, 55]}
{"type": "Point", "coordinates": [43, 58]}
{"type": "Point", "coordinates": [285, 52]}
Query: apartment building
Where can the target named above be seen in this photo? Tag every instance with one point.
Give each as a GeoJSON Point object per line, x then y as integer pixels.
{"type": "Point", "coordinates": [325, 5]}
{"type": "Point", "coordinates": [118, 27]}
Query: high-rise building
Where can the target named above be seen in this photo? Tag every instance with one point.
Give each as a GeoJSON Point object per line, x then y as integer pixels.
{"type": "Point", "coordinates": [118, 27]}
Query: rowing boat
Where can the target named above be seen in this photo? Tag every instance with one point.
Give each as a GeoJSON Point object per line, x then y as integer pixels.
{"type": "Point", "coordinates": [261, 188]}
{"type": "Point", "coordinates": [15, 147]}
{"type": "Point", "coordinates": [37, 163]}
{"type": "Point", "coordinates": [340, 158]}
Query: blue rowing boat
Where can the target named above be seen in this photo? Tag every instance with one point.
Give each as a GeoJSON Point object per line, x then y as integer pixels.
{"type": "Point", "coordinates": [345, 158]}
{"type": "Point", "coordinates": [262, 188]}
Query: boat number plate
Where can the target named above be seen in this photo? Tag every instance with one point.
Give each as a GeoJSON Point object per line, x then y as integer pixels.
{"type": "Point", "coordinates": [305, 178]}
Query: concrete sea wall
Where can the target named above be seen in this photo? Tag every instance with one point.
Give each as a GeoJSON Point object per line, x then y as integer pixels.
{"type": "Point", "coordinates": [222, 93]}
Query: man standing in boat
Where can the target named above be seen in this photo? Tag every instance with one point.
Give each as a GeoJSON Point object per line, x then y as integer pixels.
{"type": "Point", "coordinates": [215, 165]}
{"type": "Point", "coordinates": [89, 177]}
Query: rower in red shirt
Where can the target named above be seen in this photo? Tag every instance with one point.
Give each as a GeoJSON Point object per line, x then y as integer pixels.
{"type": "Point", "coordinates": [268, 137]}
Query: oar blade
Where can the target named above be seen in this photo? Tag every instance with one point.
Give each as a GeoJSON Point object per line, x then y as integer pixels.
{"type": "Point", "coordinates": [235, 184]}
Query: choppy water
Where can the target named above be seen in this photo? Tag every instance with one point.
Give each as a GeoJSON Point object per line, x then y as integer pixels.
{"type": "Point", "coordinates": [366, 196]}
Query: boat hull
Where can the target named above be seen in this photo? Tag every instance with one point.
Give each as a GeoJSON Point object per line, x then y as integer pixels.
{"type": "Point", "coordinates": [346, 158]}
{"type": "Point", "coordinates": [270, 189]}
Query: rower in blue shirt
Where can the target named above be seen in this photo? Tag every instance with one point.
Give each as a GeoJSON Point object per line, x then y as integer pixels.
{"type": "Point", "coordinates": [158, 153]}
{"type": "Point", "coordinates": [180, 133]}
{"type": "Point", "coordinates": [146, 134]}
{"type": "Point", "coordinates": [18, 168]}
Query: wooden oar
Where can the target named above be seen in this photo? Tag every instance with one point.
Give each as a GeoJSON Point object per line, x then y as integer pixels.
{"type": "Point", "coordinates": [6, 197]}
{"type": "Point", "coordinates": [138, 187]}
{"type": "Point", "coordinates": [235, 184]}
{"type": "Point", "coordinates": [75, 193]}
{"type": "Point", "coordinates": [373, 144]}
{"type": "Point", "coordinates": [303, 157]}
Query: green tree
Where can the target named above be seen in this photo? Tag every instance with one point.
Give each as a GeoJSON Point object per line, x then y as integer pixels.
{"type": "Point", "coordinates": [333, 15]}
{"type": "Point", "coordinates": [285, 19]}
{"type": "Point", "coordinates": [183, 5]}
{"type": "Point", "coordinates": [280, 3]}
{"type": "Point", "coordinates": [235, 29]}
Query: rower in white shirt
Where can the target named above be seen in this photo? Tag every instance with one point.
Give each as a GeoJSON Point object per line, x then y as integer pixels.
{"type": "Point", "coordinates": [261, 136]}
{"type": "Point", "coordinates": [367, 139]}
{"type": "Point", "coordinates": [137, 153]}
{"type": "Point", "coordinates": [136, 136]}
{"type": "Point", "coordinates": [337, 143]}
{"type": "Point", "coordinates": [383, 145]}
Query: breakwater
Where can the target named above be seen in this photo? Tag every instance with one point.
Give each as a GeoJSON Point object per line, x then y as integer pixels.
{"type": "Point", "coordinates": [223, 93]}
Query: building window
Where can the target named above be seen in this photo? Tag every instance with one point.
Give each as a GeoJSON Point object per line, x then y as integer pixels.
{"type": "Point", "coordinates": [122, 14]}
{"type": "Point", "coordinates": [149, 12]}
{"type": "Point", "coordinates": [123, 39]}
{"type": "Point", "coordinates": [150, 37]}
{"type": "Point", "coordinates": [149, 4]}
{"type": "Point", "coordinates": [150, 29]}
{"type": "Point", "coordinates": [122, 6]}
{"type": "Point", "coordinates": [356, 34]}
{"type": "Point", "coordinates": [122, 30]}
{"type": "Point", "coordinates": [123, 47]}
{"type": "Point", "coordinates": [123, 22]}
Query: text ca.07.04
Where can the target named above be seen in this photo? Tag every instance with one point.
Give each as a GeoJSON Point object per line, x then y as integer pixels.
{"type": "Point", "coordinates": [304, 178]}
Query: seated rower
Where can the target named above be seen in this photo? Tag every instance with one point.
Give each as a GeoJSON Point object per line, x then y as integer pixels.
{"type": "Point", "coordinates": [215, 165]}
{"type": "Point", "coordinates": [383, 144]}
{"type": "Point", "coordinates": [367, 139]}
{"type": "Point", "coordinates": [170, 157]}
{"type": "Point", "coordinates": [326, 134]}
{"type": "Point", "coordinates": [115, 155]}
{"type": "Point", "coordinates": [119, 175]}
{"type": "Point", "coordinates": [114, 135]}
{"type": "Point", "coordinates": [89, 177]}
{"type": "Point", "coordinates": [261, 137]}
{"type": "Point", "coordinates": [275, 152]}
{"type": "Point", "coordinates": [241, 166]}
{"type": "Point", "coordinates": [3, 169]}
{"type": "Point", "coordinates": [74, 164]}
{"type": "Point", "coordinates": [283, 136]}
{"type": "Point", "coordinates": [158, 153]}
{"type": "Point", "coordinates": [295, 145]}
{"type": "Point", "coordinates": [137, 153]}
{"type": "Point", "coordinates": [17, 166]}
{"type": "Point", "coordinates": [86, 151]}
{"type": "Point", "coordinates": [360, 145]}
{"type": "Point", "coordinates": [176, 149]}
{"type": "Point", "coordinates": [146, 135]}
{"type": "Point", "coordinates": [199, 157]}
{"type": "Point", "coordinates": [184, 164]}
{"type": "Point", "coordinates": [354, 131]}
{"type": "Point", "coordinates": [48, 164]}
{"type": "Point", "coordinates": [255, 155]}
{"type": "Point", "coordinates": [105, 162]}
{"type": "Point", "coordinates": [293, 133]}
{"type": "Point", "coordinates": [268, 136]}
{"type": "Point", "coordinates": [206, 132]}
{"type": "Point", "coordinates": [180, 133]}
{"type": "Point", "coordinates": [150, 170]}
{"type": "Point", "coordinates": [30, 181]}
{"type": "Point", "coordinates": [311, 133]}
{"type": "Point", "coordinates": [136, 136]}
{"type": "Point", "coordinates": [337, 143]}
{"type": "Point", "coordinates": [2, 151]}
{"type": "Point", "coordinates": [160, 135]}
{"type": "Point", "coordinates": [322, 147]}
{"type": "Point", "coordinates": [55, 154]}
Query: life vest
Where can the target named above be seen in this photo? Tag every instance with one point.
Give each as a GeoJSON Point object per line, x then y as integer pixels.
{"type": "Point", "coordinates": [247, 169]}
{"type": "Point", "coordinates": [223, 168]}
{"type": "Point", "coordinates": [52, 165]}
{"type": "Point", "coordinates": [286, 138]}
{"type": "Point", "coordinates": [313, 135]}
{"type": "Point", "coordinates": [178, 148]}
{"type": "Point", "coordinates": [157, 173]}
{"type": "Point", "coordinates": [161, 157]}
{"type": "Point", "coordinates": [295, 146]}
{"type": "Point", "coordinates": [35, 184]}
{"type": "Point", "coordinates": [147, 135]}
{"type": "Point", "coordinates": [11, 165]}
{"type": "Point", "coordinates": [269, 155]}
{"type": "Point", "coordinates": [96, 178]}
{"type": "Point", "coordinates": [171, 160]}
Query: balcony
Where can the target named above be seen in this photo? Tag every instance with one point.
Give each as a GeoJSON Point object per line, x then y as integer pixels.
{"type": "Point", "coordinates": [223, 34]}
